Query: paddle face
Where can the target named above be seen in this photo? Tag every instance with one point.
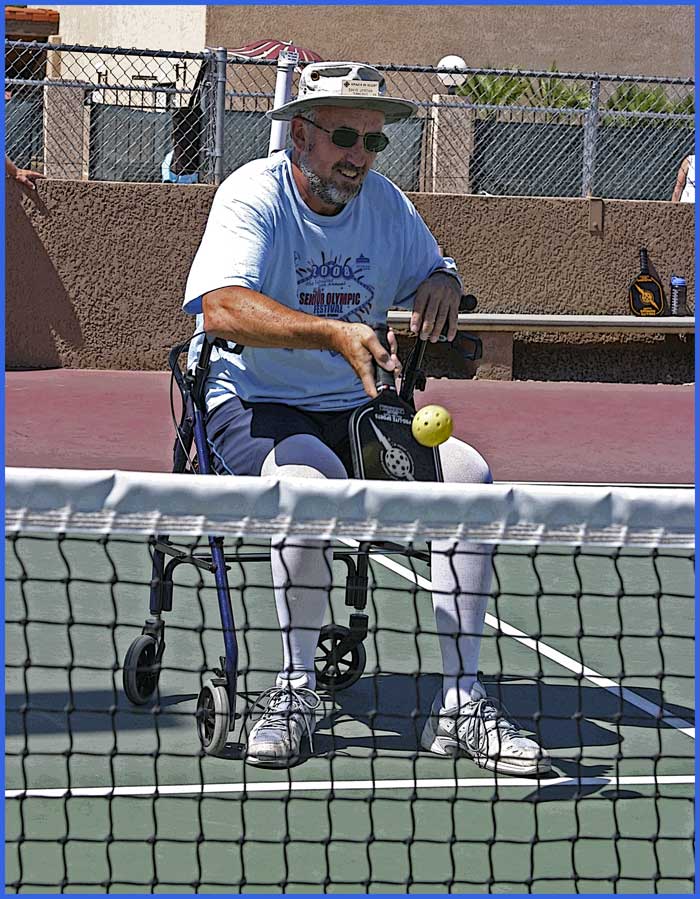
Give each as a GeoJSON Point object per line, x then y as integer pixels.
{"type": "Point", "coordinates": [646, 296]}
{"type": "Point", "coordinates": [383, 447]}
{"type": "Point", "coordinates": [381, 441]}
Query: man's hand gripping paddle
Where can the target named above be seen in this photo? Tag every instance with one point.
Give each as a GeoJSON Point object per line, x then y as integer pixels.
{"type": "Point", "coordinates": [381, 440]}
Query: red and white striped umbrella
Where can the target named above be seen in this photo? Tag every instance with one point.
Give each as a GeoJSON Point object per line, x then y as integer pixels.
{"type": "Point", "coordinates": [268, 49]}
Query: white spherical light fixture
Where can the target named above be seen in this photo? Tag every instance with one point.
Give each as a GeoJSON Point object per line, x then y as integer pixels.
{"type": "Point", "coordinates": [451, 79]}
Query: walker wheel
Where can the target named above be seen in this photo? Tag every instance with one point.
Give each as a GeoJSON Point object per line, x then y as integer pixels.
{"type": "Point", "coordinates": [141, 669]}
{"type": "Point", "coordinates": [213, 718]}
{"type": "Point", "coordinates": [334, 672]}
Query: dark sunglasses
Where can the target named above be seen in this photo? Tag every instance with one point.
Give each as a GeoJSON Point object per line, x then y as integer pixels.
{"type": "Point", "coordinates": [373, 141]}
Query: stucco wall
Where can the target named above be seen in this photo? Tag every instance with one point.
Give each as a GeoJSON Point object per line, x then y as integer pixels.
{"type": "Point", "coordinates": [128, 25]}
{"type": "Point", "coordinates": [641, 40]}
{"type": "Point", "coordinates": [632, 40]}
{"type": "Point", "coordinates": [95, 273]}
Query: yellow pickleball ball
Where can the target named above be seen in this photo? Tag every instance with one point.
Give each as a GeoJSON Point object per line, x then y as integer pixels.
{"type": "Point", "coordinates": [432, 425]}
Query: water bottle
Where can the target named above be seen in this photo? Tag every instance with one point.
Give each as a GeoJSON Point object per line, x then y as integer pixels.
{"type": "Point", "coordinates": [678, 295]}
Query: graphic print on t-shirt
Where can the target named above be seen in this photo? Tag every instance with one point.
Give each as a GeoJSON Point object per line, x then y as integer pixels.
{"type": "Point", "coordinates": [335, 287]}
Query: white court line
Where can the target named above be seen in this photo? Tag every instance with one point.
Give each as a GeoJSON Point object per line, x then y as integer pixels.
{"type": "Point", "coordinates": [337, 786]}
{"type": "Point", "coordinates": [655, 711]}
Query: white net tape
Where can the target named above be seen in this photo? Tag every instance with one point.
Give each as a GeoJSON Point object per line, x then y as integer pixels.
{"type": "Point", "coordinates": [40, 500]}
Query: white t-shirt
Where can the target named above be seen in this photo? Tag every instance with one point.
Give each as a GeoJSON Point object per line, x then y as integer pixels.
{"type": "Point", "coordinates": [352, 266]}
{"type": "Point", "coordinates": [688, 195]}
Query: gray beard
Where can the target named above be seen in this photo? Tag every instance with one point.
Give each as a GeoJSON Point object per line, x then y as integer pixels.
{"type": "Point", "coordinates": [327, 191]}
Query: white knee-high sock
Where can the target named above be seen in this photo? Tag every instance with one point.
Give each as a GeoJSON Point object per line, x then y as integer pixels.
{"type": "Point", "coordinates": [461, 578]}
{"type": "Point", "coordinates": [301, 569]}
{"type": "Point", "coordinates": [302, 575]}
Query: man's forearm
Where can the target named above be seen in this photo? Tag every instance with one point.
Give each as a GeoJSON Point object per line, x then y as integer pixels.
{"type": "Point", "coordinates": [253, 319]}
{"type": "Point", "coordinates": [680, 182]}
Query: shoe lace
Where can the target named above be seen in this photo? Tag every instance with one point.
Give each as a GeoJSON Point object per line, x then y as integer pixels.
{"type": "Point", "coordinates": [483, 716]}
{"type": "Point", "coordinates": [279, 704]}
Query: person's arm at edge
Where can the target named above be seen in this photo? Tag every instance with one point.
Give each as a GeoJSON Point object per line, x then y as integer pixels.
{"type": "Point", "coordinates": [680, 181]}
{"type": "Point", "coordinates": [24, 176]}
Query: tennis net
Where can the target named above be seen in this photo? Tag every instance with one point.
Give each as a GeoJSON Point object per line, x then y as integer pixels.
{"type": "Point", "coordinates": [588, 643]}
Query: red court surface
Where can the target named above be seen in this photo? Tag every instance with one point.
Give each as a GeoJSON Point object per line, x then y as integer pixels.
{"type": "Point", "coordinates": [528, 431]}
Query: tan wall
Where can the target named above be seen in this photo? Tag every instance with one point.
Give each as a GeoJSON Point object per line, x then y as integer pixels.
{"type": "Point", "coordinates": [633, 40]}
{"type": "Point", "coordinates": [128, 25]}
{"type": "Point", "coordinates": [95, 273]}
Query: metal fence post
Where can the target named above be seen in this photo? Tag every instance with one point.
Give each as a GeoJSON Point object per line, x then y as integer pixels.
{"type": "Point", "coordinates": [590, 138]}
{"type": "Point", "coordinates": [219, 110]}
{"type": "Point", "coordinates": [283, 93]}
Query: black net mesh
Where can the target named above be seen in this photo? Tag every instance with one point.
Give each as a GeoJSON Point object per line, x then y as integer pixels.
{"type": "Point", "coordinates": [114, 639]}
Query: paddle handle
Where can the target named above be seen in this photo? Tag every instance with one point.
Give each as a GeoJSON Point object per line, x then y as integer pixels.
{"type": "Point", "coordinates": [383, 378]}
{"type": "Point", "coordinates": [643, 261]}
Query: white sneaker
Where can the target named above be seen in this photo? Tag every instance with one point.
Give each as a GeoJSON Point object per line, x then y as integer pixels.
{"type": "Point", "coordinates": [288, 716]}
{"type": "Point", "coordinates": [482, 731]}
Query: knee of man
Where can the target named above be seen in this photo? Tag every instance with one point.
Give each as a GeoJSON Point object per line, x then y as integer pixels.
{"type": "Point", "coordinates": [462, 464]}
{"type": "Point", "coordinates": [303, 456]}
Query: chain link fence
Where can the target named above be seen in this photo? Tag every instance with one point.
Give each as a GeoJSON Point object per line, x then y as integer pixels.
{"type": "Point", "coordinates": [134, 115]}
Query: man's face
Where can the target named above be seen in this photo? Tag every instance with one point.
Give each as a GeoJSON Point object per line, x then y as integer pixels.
{"type": "Point", "coordinates": [335, 174]}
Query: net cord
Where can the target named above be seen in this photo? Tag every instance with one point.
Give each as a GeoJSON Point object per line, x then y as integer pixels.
{"type": "Point", "coordinates": [120, 502]}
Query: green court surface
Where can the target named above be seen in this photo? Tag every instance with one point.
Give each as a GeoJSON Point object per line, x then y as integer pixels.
{"type": "Point", "coordinates": [368, 811]}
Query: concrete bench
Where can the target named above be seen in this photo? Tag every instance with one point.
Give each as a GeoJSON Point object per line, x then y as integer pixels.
{"type": "Point", "coordinates": [496, 331]}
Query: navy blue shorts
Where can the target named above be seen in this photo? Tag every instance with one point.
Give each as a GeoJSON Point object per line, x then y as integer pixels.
{"type": "Point", "coordinates": [241, 435]}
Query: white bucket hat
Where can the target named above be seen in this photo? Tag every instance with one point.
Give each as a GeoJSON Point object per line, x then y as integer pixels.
{"type": "Point", "coordinates": [343, 84]}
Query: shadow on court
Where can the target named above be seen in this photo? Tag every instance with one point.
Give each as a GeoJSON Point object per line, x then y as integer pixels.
{"type": "Point", "coordinates": [394, 707]}
{"type": "Point", "coordinates": [88, 711]}
{"type": "Point", "coordinates": [391, 709]}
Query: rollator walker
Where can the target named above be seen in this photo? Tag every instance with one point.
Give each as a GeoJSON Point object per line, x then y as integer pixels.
{"type": "Point", "coordinates": [340, 657]}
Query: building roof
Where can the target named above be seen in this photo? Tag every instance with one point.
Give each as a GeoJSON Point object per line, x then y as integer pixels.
{"type": "Point", "coordinates": [24, 14]}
